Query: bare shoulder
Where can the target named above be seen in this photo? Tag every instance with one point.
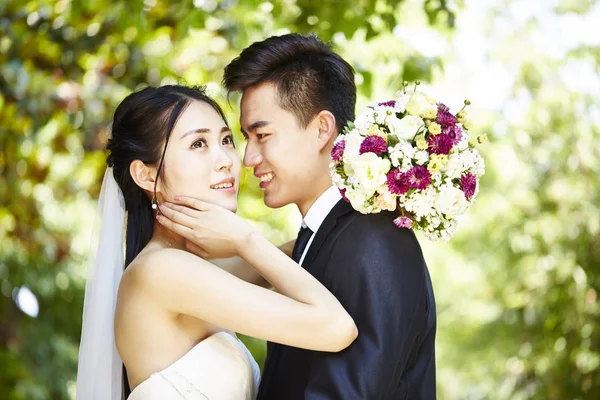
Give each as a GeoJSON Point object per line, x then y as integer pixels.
{"type": "Point", "coordinates": [160, 266]}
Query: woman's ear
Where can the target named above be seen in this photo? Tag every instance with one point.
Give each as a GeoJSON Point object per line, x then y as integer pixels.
{"type": "Point", "coordinates": [327, 128]}
{"type": "Point", "coordinates": [143, 175]}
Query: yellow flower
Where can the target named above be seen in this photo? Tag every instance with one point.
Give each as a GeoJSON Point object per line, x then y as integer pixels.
{"type": "Point", "coordinates": [473, 142]}
{"type": "Point", "coordinates": [431, 113]}
{"type": "Point", "coordinates": [482, 139]}
{"type": "Point", "coordinates": [422, 143]}
{"type": "Point", "coordinates": [461, 117]}
{"type": "Point", "coordinates": [374, 130]}
{"type": "Point", "coordinates": [434, 128]}
{"type": "Point", "coordinates": [437, 162]}
{"type": "Point", "coordinates": [466, 124]}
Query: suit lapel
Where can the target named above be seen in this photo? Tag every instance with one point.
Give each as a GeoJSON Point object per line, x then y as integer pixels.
{"type": "Point", "coordinates": [340, 209]}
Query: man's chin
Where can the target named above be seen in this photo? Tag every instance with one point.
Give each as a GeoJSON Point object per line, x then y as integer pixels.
{"type": "Point", "coordinates": [273, 201]}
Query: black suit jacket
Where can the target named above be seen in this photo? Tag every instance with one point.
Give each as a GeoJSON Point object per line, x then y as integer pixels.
{"type": "Point", "coordinates": [378, 273]}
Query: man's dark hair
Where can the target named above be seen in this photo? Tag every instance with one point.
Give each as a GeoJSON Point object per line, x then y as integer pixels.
{"type": "Point", "coordinates": [309, 77]}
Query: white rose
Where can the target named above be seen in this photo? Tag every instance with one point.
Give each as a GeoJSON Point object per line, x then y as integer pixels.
{"type": "Point", "coordinates": [385, 200]}
{"type": "Point", "coordinates": [405, 128]}
{"type": "Point", "coordinates": [451, 201]}
{"type": "Point", "coordinates": [351, 151]}
{"type": "Point", "coordinates": [370, 171]}
{"type": "Point", "coordinates": [421, 157]}
{"type": "Point", "coordinates": [402, 101]}
{"type": "Point", "coordinates": [420, 105]}
{"type": "Point", "coordinates": [357, 199]}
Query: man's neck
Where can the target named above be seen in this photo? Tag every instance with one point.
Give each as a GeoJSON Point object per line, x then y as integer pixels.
{"type": "Point", "coordinates": [305, 205]}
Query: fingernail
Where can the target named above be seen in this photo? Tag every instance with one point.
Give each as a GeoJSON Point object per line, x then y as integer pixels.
{"type": "Point", "coordinates": [158, 217]}
{"type": "Point", "coordinates": [177, 198]}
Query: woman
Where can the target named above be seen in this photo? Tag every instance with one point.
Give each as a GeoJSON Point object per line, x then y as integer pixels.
{"type": "Point", "coordinates": [175, 313]}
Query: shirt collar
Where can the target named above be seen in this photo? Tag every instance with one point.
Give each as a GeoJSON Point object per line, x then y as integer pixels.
{"type": "Point", "coordinates": [321, 208]}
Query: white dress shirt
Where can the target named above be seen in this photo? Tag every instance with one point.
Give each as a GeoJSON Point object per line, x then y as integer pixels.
{"type": "Point", "coordinates": [317, 213]}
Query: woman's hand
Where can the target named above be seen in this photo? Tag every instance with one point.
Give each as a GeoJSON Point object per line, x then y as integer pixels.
{"type": "Point", "coordinates": [213, 231]}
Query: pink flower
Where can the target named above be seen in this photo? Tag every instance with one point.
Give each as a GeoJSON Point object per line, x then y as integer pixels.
{"type": "Point", "coordinates": [397, 182]}
{"type": "Point", "coordinates": [343, 193]}
{"type": "Point", "coordinates": [444, 116]}
{"type": "Point", "coordinates": [373, 144]}
{"type": "Point", "coordinates": [468, 184]}
{"type": "Point", "coordinates": [453, 132]}
{"type": "Point", "coordinates": [439, 144]}
{"type": "Point", "coordinates": [403, 222]}
{"type": "Point", "coordinates": [419, 177]}
{"type": "Point", "coordinates": [338, 150]}
{"type": "Point", "coordinates": [391, 103]}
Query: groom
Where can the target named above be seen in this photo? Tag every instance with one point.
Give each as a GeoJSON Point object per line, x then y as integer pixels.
{"type": "Point", "coordinates": [297, 95]}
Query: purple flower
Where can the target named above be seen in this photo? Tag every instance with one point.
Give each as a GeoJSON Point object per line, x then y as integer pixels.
{"type": "Point", "coordinates": [453, 132]}
{"type": "Point", "coordinates": [419, 177]}
{"type": "Point", "coordinates": [343, 193]}
{"type": "Point", "coordinates": [373, 144]}
{"type": "Point", "coordinates": [403, 222]}
{"type": "Point", "coordinates": [468, 184]}
{"type": "Point", "coordinates": [444, 117]}
{"type": "Point", "coordinates": [338, 150]}
{"type": "Point", "coordinates": [391, 103]}
{"type": "Point", "coordinates": [439, 144]}
{"type": "Point", "coordinates": [397, 182]}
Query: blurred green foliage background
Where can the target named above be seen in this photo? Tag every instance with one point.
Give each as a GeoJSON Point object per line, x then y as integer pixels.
{"type": "Point", "coordinates": [517, 288]}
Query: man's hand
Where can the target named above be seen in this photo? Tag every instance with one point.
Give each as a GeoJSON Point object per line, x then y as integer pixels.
{"type": "Point", "coordinates": [213, 231]}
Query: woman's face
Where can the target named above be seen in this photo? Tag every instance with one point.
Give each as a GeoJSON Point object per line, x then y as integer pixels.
{"type": "Point", "coordinates": [201, 160]}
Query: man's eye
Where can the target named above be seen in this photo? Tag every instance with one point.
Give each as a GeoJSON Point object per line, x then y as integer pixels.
{"type": "Point", "coordinates": [260, 136]}
{"type": "Point", "coordinates": [198, 144]}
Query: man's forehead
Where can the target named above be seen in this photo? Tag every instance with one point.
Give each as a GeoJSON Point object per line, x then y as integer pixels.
{"type": "Point", "coordinates": [256, 106]}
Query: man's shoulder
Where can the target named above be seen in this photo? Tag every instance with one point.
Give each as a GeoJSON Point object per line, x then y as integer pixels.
{"type": "Point", "coordinates": [374, 228]}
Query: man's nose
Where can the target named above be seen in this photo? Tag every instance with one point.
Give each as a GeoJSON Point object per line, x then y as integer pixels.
{"type": "Point", "coordinates": [252, 155]}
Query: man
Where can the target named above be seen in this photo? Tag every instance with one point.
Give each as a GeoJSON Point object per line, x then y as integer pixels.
{"type": "Point", "coordinates": [297, 95]}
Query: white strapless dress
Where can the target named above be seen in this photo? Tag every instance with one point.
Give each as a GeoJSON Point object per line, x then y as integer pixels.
{"type": "Point", "coordinates": [218, 368]}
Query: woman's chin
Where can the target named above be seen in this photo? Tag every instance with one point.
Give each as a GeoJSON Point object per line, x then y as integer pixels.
{"type": "Point", "coordinates": [230, 205]}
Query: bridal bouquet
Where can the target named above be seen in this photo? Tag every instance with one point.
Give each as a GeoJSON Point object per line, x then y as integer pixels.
{"type": "Point", "coordinates": [413, 156]}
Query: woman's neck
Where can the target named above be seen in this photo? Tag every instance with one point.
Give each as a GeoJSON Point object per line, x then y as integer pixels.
{"type": "Point", "coordinates": [168, 238]}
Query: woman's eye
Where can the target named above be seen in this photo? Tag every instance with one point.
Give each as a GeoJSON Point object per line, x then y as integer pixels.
{"type": "Point", "coordinates": [228, 140]}
{"type": "Point", "coordinates": [198, 144]}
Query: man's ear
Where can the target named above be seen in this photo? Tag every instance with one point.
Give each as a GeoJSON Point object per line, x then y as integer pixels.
{"type": "Point", "coordinates": [327, 128]}
{"type": "Point", "coordinates": [143, 175]}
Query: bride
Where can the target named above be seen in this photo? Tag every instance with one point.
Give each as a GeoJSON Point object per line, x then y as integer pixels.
{"type": "Point", "coordinates": [168, 320]}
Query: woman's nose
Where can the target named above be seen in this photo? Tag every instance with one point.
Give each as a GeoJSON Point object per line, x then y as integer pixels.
{"type": "Point", "coordinates": [223, 160]}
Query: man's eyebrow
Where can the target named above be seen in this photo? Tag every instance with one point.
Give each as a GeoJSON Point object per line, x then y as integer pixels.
{"type": "Point", "coordinates": [256, 125]}
{"type": "Point", "coordinates": [204, 130]}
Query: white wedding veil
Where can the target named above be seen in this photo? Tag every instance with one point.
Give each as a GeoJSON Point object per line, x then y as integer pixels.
{"type": "Point", "coordinates": [100, 369]}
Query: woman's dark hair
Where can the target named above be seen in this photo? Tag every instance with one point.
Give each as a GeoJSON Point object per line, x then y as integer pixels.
{"type": "Point", "coordinates": [309, 77]}
{"type": "Point", "coordinates": [141, 128]}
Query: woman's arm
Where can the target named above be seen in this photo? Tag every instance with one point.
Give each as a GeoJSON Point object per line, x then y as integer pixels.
{"type": "Point", "coordinates": [303, 314]}
{"type": "Point", "coordinates": [240, 268]}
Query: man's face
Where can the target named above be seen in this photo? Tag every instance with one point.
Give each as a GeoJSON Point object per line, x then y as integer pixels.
{"type": "Point", "coordinates": [284, 156]}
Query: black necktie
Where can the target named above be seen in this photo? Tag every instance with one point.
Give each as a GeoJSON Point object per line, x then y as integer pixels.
{"type": "Point", "coordinates": [303, 237]}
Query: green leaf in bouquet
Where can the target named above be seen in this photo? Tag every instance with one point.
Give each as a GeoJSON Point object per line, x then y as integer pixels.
{"type": "Point", "coordinates": [392, 140]}
{"type": "Point", "coordinates": [349, 126]}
